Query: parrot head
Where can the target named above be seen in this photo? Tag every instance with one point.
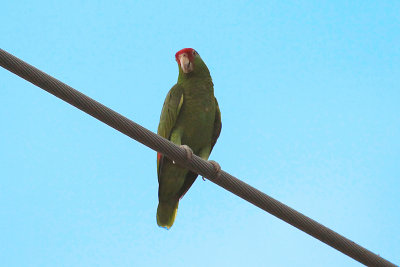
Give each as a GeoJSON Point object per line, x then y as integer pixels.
{"type": "Point", "coordinates": [190, 64]}
{"type": "Point", "coordinates": [185, 59]}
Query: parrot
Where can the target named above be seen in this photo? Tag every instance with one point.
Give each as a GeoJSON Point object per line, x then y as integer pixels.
{"type": "Point", "coordinates": [191, 119]}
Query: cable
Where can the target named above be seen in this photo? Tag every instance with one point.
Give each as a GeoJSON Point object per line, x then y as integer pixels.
{"type": "Point", "coordinates": [196, 164]}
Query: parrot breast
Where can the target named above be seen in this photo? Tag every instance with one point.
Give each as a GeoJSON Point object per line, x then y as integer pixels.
{"type": "Point", "coordinates": [196, 118]}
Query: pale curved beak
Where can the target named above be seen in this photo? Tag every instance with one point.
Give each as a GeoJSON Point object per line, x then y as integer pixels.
{"type": "Point", "coordinates": [185, 63]}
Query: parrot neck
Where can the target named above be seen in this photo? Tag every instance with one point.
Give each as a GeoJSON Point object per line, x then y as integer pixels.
{"type": "Point", "coordinates": [201, 82]}
{"type": "Point", "coordinates": [195, 75]}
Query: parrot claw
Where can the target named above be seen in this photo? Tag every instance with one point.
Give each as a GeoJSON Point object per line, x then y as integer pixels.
{"type": "Point", "coordinates": [189, 151]}
{"type": "Point", "coordinates": [217, 167]}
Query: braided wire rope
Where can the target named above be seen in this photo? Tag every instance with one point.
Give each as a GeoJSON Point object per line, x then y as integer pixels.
{"type": "Point", "coordinates": [196, 164]}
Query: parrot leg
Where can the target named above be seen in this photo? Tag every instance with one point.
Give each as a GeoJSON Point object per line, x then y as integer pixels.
{"type": "Point", "coordinates": [204, 154]}
{"type": "Point", "coordinates": [176, 139]}
{"type": "Point", "coordinates": [217, 167]}
{"type": "Point", "coordinates": [189, 151]}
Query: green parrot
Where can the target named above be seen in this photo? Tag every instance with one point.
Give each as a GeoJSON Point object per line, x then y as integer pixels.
{"type": "Point", "coordinates": [191, 119]}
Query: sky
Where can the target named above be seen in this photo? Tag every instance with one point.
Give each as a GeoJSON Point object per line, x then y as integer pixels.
{"type": "Point", "coordinates": [309, 95]}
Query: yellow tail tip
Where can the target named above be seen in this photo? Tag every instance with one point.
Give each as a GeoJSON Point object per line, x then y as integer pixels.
{"type": "Point", "coordinates": [166, 213]}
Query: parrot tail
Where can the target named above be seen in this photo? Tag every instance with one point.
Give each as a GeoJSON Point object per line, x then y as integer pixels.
{"type": "Point", "coordinates": [166, 213]}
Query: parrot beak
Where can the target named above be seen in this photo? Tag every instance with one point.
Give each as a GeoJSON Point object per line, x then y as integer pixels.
{"type": "Point", "coordinates": [186, 64]}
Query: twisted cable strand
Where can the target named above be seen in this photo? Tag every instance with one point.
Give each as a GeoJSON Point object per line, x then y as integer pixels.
{"type": "Point", "coordinates": [196, 164]}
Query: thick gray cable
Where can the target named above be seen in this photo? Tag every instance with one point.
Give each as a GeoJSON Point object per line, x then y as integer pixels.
{"type": "Point", "coordinates": [198, 165]}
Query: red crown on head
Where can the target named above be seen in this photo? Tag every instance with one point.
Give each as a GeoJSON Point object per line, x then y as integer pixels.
{"type": "Point", "coordinates": [188, 51]}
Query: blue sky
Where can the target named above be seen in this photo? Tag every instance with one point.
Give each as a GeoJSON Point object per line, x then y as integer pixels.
{"type": "Point", "coordinates": [309, 94]}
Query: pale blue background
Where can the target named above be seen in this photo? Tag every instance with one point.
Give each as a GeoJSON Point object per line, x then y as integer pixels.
{"type": "Point", "coordinates": [309, 94]}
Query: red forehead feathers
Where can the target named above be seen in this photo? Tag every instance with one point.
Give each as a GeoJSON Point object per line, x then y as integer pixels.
{"type": "Point", "coordinates": [188, 51]}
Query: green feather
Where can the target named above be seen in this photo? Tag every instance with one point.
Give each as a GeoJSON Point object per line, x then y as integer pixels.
{"type": "Point", "coordinates": [190, 116]}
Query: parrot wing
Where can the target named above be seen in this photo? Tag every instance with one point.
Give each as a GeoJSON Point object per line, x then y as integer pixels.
{"type": "Point", "coordinates": [217, 125]}
{"type": "Point", "coordinates": [169, 114]}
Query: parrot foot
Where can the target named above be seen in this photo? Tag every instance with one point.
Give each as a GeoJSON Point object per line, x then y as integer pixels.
{"type": "Point", "coordinates": [217, 167]}
{"type": "Point", "coordinates": [189, 151]}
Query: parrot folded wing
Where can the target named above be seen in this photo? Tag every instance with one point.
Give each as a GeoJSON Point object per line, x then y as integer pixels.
{"type": "Point", "coordinates": [217, 125]}
{"type": "Point", "coordinates": [169, 114]}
